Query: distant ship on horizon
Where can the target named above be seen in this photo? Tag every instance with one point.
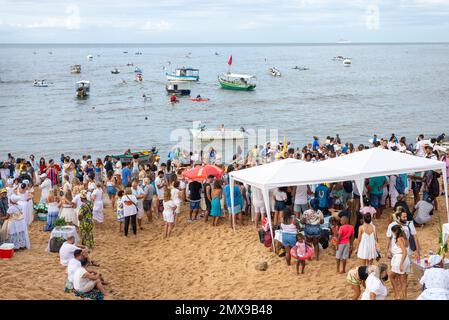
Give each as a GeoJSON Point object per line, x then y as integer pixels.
{"type": "Point", "coordinates": [343, 41]}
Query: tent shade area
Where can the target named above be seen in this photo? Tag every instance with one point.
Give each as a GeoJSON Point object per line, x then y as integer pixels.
{"type": "Point", "coordinates": [355, 167]}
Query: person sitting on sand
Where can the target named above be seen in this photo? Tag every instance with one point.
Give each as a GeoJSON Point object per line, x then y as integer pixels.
{"type": "Point", "coordinates": [84, 281]}
{"type": "Point", "coordinates": [423, 211]}
{"type": "Point", "coordinates": [358, 275]}
{"type": "Point", "coordinates": [72, 266]}
{"type": "Point", "coordinates": [435, 280]}
{"type": "Point", "coordinates": [375, 284]}
{"type": "Point", "coordinates": [68, 248]}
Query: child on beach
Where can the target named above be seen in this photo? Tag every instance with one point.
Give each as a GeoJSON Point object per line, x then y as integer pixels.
{"type": "Point", "coordinates": [345, 240]}
{"type": "Point", "coordinates": [334, 233]}
{"type": "Point", "coordinates": [119, 206]}
{"type": "Point", "coordinates": [301, 252]}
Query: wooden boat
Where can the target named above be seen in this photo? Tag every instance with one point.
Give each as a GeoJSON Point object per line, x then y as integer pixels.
{"type": "Point", "coordinates": [145, 156]}
{"type": "Point", "coordinates": [82, 89]}
{"type": "Point", "coordinates": [235, 81]}
{"type": "Point", "coordinates": [75, 68]}
{"type": "Point", "coordinates": [184, 74]}
{"type": "Point", "coordinates": [178, 88]}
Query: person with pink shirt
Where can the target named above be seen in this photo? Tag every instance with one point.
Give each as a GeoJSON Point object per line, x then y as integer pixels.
{"type": "Point", "coordinates": [345, 240]}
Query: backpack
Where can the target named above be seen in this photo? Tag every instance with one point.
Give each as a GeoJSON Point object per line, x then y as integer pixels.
{"type": "Point", "coordinates": [347, 185]}
{"type": "Point", "coordinates": [434, 187]}
{"type": "Point", "coordinates": [399, 185]}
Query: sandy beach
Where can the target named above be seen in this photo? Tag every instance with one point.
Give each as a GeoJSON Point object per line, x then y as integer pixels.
{"type": "Point", "coordinates": [197, 262]}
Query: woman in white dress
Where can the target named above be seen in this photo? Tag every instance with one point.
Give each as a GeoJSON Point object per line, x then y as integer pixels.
{"type": "Point", "coordinates": [168, 213]}
{"type": "Point", "coordinates": [22, 197]}
{"type": "Point", "coordinates": [67, 211]}
{"type": "Point", "coordinates": [375, 285]}
{"type": "Point", "coordinates": [400, 263]}
{"type": "Point", "coordinates": [97, 199]}
{"type": "Point", "coordinates": [435, 281]}
{"type": "Point", "coordinates": [45, 187]}
{"type": "Point", "coordinates": [366, 241]}
{"type": "Point", "coordinates": [14, 229]}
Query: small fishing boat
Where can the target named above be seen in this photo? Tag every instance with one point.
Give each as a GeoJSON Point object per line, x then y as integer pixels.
{"type": "Point", "coordinates": [90, 57]}
{"type": "Point", "coordinates": [347, 62]}
{"type": "Point", "coordinates": [137, 70]}
{"type": "Point", "coordinates": [40, 83]}
{"type": "Point", "coordinates": [115, 71]}
{"type": "Point", "coordinates": [275, 72]}
{"type": "Point", "coordinates": [235, 81]}
{"type": "Point", "coordinates": [300, 68]}
{"type": "Point", "coordinates": [145, 156]}
{"type": "Point", "coordinates": [178, 88]}
{"type": "Point", "coordinates": [338, 58]}
{"type": "Point", "coordinates": [138, 53]}
{"type": "Point", "coordinates": [184, 74]}
{"type": "Point", "coordinates": [139, 77]}
{"type": "Point", "coordinates": [82, 89]}
{"type": "Point", "coordinates": [130, 64]}
{"type": "Point", "coordinates": [75, 68]}
{"type": "Point", "coordinates": [125, 52]}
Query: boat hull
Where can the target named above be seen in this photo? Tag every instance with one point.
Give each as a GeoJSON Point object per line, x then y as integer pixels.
{"type": "Point", "coordinates": [179, 92]}
{"type": "Point", "coordinates": [172, 77]}
{"type": "Point", "coordinates": [236, 86]}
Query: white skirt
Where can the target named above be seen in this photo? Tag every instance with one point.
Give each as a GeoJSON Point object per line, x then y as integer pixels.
{"type": "Point", "coordinates": [434, 294]}
{"type": "Point", "coordinates": [168, 216]}
{"type": "Point", "coordinates": [97, 212]}
{"type": "Point", "coordinates": [396, 262]}
{"type": "Point", "coordinates": [69, 215]}
{"type": "Point", "coordinates": [367, 247]}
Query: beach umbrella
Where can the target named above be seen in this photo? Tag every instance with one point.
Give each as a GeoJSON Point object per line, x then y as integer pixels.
{"type": "Point", "coordinates": [200, 173]}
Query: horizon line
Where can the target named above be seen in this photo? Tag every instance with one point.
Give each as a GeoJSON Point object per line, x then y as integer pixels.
{"type": "Point", "coordinates": [223, 43]}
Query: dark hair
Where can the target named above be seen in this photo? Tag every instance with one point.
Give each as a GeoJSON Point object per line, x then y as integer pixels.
{"type": "Point", "coordinates": [84, 262]}
{"type": "Point", "coordinates": [211, 176]}
{"type": "Point", "coordinates": [160, 172]}
{"type": "Point", "coordinates": [367, 218]}
{"type": "Point", "coordinates": [77, 252]}
{"type": "Point", "coordinates": [366, 202]}
{"type": "Point", "coordinates": [398, 232]}
{"type": "Point", "coordinates": [135, 156]}
{"type": "Point", "coordinates": [314, 203]}
{"type": "Point", "coordinates": [120, 193]}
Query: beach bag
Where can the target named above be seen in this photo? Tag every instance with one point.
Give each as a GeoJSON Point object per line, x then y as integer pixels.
{"type": "Point", "coordinates": [399, 185]}
{"type": "Point", "coordinates": [56, 244]}
{"type": "Point", "coordinates": [267, 239]}
{"type": "Point", "coordinates": [411, 239]}
{"type": "Point", "coordinates": [261, 235]}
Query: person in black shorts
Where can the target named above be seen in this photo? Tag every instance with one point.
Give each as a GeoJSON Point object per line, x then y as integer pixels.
{"type": "Point", "coordinates": [194, 199]}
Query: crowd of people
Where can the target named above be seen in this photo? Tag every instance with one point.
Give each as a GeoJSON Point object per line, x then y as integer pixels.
{"type": "Point", "coordinates": [306, 217]}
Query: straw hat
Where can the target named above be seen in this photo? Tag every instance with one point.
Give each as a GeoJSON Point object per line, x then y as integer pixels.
{"type": "Point", "coordinates": [3, 190]}
{"type": "Point", "coordinates": [83, 194]}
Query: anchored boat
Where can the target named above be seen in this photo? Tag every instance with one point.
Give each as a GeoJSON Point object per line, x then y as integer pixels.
{"type": "Point", "coordinates": [347, 62]}
{"type": "Point", "coordinates": [177, 87]}
{"type": "Point", "coordinates": [82, 89]}
{"type": "Point", "coordinates": [235, 81]}
{"type": "Point", "coordinates": [275, 72]}
{"type": "Point", "coordinates": [184, 74]}
{"type": "Point", "coordinates": [40, 83]}
{"type": "Point", "coordinates": [115, 71]}
{"type": "Point", "coordinates": [75, 68]}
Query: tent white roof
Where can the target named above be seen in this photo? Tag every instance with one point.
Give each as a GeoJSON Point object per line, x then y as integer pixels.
{"type": "Point", "coordinates": [381, 162]}
{"type": "Point", "coordinates": [289, 172]}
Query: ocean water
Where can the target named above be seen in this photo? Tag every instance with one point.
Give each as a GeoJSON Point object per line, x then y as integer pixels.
{"type": "Point", "coordinates": [400, 88]}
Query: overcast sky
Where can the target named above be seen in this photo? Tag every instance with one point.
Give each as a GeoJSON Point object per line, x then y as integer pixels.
{"type": "Point", "coordinates": [228, 21]}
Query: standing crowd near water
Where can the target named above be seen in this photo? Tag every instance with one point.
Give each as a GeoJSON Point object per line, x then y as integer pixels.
{"type": "Point", "coordinates": [306, 219]}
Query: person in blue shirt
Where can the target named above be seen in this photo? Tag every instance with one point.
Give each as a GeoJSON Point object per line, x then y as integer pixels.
{"type": "Point", "coordinates": [322, 193]}
{"type": "Point", "coordinates": [376, 189]}
{"type": "Point", "coordinates": [238, 201]}
{"type": "Point", "coordinates": [315, 143]}
{"type": "Point", "coordinates": [126, 175]}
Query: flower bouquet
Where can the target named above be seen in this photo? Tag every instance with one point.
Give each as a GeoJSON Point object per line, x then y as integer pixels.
{"type": "Point", "coordinates": [41, 211]}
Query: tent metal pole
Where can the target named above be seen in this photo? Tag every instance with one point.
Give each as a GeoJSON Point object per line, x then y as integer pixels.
{"type": "Point", "coordinates": [231, 190]}
{"type": "Point", "coordinates": [445, 192]}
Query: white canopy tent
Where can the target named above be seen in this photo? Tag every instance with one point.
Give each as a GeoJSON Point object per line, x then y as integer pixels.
{"type": "Point", "coordinates": [288, 172]}
{"type": "Point", "coordinates": [377, 162]}
{"type": "Point", "coordinates": [354, 167]}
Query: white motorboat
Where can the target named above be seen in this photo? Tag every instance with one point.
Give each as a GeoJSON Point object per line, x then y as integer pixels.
{"type": "Point", "coordinates": [347, 62]}
{"type": "Point", "coordinates": [275, 72]}
{"type": "Point", "coordinates": [82, 89]}
{"type": "Point", "coordinates": [40, 83]}
{"type": "Point", "coordinates": [75, 68]}
{"type": "Point", "coordinates": [90, 57]}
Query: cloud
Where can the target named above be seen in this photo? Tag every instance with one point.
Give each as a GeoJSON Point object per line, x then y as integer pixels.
{"type": "Point", "coordinates": [72, 21]}
{"type": "Point", "coordinates": [161, 25]}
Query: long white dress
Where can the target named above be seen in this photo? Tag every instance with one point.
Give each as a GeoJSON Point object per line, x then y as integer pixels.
{"type": "Point", "coordinates": [367, 246]}
{"type": "Point", "coordinates": [26, 205]}
{"type": "Point", "coordinates": [436, 282]}
{"type": "Point", "coordinates": [45, 190]}
{"type": "Point", "coordinates": [17, 230]}
{"type": "Point", "coordinates": [97, 212]}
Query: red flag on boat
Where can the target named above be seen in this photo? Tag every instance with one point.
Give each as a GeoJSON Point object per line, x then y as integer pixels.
{"type": "Point", "coordinates": [230, 60]}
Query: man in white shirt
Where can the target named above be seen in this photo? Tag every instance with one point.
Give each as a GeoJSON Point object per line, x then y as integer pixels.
{"type": "Point", "coordinates": [138, 192]}
{"type": "Point", "coordinates": [300, 203]}
{"type": "Point", "coordinates": [85, 281]}
{"type": "Point", "coordinates": [67, 250]}
{"type": "Point", "coordinates": [72, 266]}
{"type": "Point", "coordinates": [258, 204]}
{"type": "Point", "coordinates": [419, 146]}
{"type": "Point", "coordinates": [407, 226]}
{"type": "Point", "coordinates": [422, 211]}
